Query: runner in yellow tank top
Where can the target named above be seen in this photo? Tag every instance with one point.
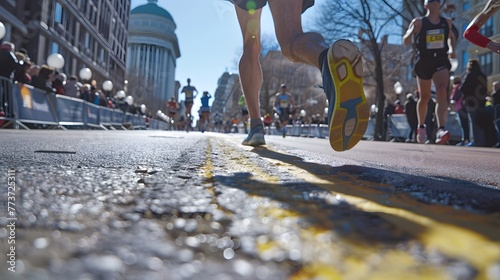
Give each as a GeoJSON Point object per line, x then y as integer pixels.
{"type": "Point", "coordinates": [189, 97]}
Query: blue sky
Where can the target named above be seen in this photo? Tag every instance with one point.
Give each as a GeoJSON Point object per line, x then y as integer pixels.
{"type": "Point", "coordinates": [210, 39]}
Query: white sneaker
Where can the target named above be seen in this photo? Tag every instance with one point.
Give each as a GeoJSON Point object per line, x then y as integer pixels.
{"type": "Point", "coordinates": [421, 135]}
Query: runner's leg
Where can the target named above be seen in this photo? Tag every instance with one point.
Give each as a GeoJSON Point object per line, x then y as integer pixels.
{"type": "Point", "coordinates": [296, 45]}
{"type": "Point", "coordinates": [249, 66]}
{"type": "Point", "coordinates": [441, 79]}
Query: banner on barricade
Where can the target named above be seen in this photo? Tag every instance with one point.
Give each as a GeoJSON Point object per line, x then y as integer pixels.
{"type": "Point", "coordinates": [398, 126]}
{"type": "Point", "coordinates": [105, 115]}
{"type": "Point", "coordinates": [118, 117]}
{"type": "Point", "coordinates": [92, 114]}
{"type": "Point", "coordinates": [70, 110]}
{"type": "Point", "coordinates": [33, 105]}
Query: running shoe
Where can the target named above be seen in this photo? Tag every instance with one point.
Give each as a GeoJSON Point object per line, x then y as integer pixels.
{"type": "Point", "coordinates": [255, 137]}
{"type": "Point", "coordinates": [442, 136]}
{"type": "Point", "coordinates": [348, 110]}
{"type": "Point", "coordinates": [421, 135]}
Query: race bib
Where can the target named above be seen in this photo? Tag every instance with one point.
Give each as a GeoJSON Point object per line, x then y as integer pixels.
{"type": "Point", "coordinates": [284, 103]}
{"type": "Point", "coordinates": [435, 39]}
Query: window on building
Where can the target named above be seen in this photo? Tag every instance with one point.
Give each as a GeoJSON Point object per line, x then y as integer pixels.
{"type": "Point", "coordinates": [54, 48]}
{"type": "Point", "coordinates": [58, 13]}
{"type": "Point", "coordinates": [486, 62]}
{"type": "Point", "coordinates": [83, 6]}
{"type": "Point", "coordinates": [102, 57]}
{"type": "Point", "coordinates": [86, 40]}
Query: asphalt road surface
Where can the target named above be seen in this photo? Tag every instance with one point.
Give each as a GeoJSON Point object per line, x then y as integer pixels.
{"type": "Point", "coordinates": [177, 205]}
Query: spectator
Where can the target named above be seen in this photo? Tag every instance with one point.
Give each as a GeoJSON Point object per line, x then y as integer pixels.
{"type": "Point", "coordinates": [411, 115]}
{"type": "Point", "coordinates": [102, 98]}
{"type": "Point", "coordinates": [457, 98]}
{"type": "Point", "coordinates": [35, 70]}
{"type": "Point", "coordinates": [71, 88]}
{"type": "Point", "coordinates": [474, 90]}
{"type": "Point", "coordinates": [22, 75]}
{"type": "Point", "coordinates": [398, 108]}
{"type": "Point", "coordinates": [388, 111]}
{"type": "Point", "coordinates": [44, 79]}
{"type": "Point", "coordinates": [93, 96]}
{"type": "Point", "coordinates": [58, 83]}
{"type": "Point", "coordinates": [85, 92]}
{"type": "Point", "coordinates": [172, 107]}
{"type": "Point", "coordinates": [8, 60]}
{"type": "Point", "coordinates": [25, 53]}
{"type": "Point", "coordinates": [9, 64]}
{"type": "Point", "coordinates": [495, 100]}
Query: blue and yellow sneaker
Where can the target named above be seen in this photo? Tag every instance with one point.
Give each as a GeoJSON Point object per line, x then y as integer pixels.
{"type": "Point", "coordinates": [348, 110]}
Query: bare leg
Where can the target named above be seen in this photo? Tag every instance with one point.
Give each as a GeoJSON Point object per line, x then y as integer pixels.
{"type": "Point", "coordinates": [441, 81]}
{"type": "Point", "coordinates": [250, 68]}
{"type": "Point", "coordinates": [424, 89]}
{"type": "Point", "coordinates": [296, 45]}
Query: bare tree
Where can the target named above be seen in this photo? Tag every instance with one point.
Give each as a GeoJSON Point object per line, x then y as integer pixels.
{"type": "Point", "coordinates": [370, 23]}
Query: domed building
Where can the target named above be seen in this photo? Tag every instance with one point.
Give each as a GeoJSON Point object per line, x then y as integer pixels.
{"type": "Point", "coordinates": [152, 51]}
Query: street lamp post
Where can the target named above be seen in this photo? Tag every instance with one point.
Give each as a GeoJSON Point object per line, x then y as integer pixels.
{"type": "Point", "coordinates": [398, 88]}
{"type": "Point", "coordinates": [107, 86]}
{"type": "Point", "coordinates": [85, 74]}
{"type": "Point", "coordinates": [2, 30]}
{"type": "Point", "coordinates": [120, 101]}
{"type": "Point", "coordinates": [55, 60]}
{"type": "Point", "coordinates": [130, 100]}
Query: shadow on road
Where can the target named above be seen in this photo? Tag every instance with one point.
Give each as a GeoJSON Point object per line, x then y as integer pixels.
{"type": "Point", "coordinates": [449, 201]}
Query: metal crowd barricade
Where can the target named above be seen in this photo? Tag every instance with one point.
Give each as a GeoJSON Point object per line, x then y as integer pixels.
{"type": "Point", "coordinates": [7, 115]}
{"type": "Point", "coordinates": [105, 117]}
{"type": "Point", "coordinates": [70, 111]}
{"type": "Point", "coordinates": [33, 106]}
{"type": "Point", "coordinates": [25, 106]}
{"type": "Point", "coordinates": [398, 126]}
{"type": "Point", "coordinates": [370, 129]}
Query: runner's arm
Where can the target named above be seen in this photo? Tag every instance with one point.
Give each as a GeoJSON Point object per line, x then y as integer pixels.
{"type": "Point", "coordinates": [413, 28]}
{"type": "Point", "coordinates": [451, 39]}
{"type": "Point", "coordinates": [472, 31]}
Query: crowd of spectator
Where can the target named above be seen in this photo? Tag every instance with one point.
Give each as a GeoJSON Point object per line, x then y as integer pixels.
{"type": "Point", "coordinates": [17, 66]}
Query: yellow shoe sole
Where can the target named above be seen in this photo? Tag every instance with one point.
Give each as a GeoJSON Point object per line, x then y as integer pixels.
{"type": "Point", "coordinates": [349, 119]}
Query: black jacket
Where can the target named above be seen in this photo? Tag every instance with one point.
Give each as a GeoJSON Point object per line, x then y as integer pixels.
{"type": "Point", "coordinates": [8, 63]}
{"type": "Point", "coordinates": [474, 89]}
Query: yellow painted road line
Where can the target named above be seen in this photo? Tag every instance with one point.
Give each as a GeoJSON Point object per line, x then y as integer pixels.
{"type": "Point", "coordinates": [435, 229]}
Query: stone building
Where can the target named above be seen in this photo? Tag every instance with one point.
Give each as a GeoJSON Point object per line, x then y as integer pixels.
{"type": "Point", "coordinates": [87, 33]}
{"type": "Point", "coordinates": [152, 52]}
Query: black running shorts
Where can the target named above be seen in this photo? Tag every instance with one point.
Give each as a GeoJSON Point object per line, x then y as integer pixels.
{"type": "Point", "coordinates": [426, 66]}
{"type": "Point", "coordinates": [258, 4]}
